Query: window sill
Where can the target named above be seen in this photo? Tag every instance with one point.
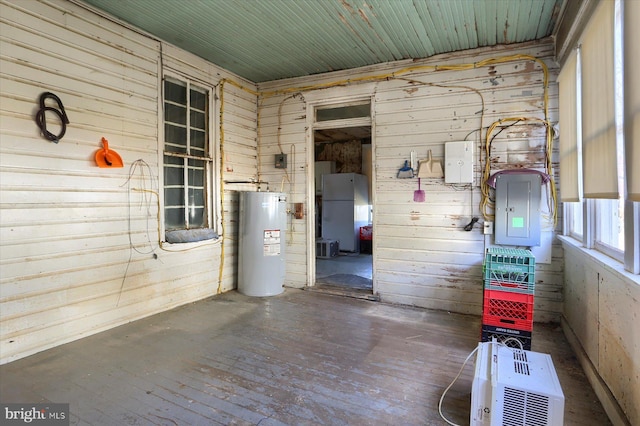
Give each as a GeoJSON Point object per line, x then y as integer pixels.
{"type": "Point", "coordinates": [187, 239]}
{"type": "Point", "coordinates": [188, 246]}
{"type": "Point", "coordinates": [602, 260]}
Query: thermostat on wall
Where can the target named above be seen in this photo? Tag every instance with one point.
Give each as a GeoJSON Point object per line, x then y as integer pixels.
{"type": "Point", "coordinates": [458, 157]}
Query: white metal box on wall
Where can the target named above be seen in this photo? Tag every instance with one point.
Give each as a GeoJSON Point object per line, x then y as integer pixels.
{"type": "Point", "coordinates": [458, 158]}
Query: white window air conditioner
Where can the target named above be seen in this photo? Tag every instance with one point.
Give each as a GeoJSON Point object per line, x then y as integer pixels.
{"type": "Point", "coordinates": [513, 387]}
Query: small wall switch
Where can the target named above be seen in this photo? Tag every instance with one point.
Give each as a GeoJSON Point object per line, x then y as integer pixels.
{"type": "Point", "coordinates": [281, 161]}
{"type": "Point", "coordinates": [488, 228]}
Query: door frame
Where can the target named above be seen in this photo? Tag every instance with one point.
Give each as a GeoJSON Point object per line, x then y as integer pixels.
{"type": "Point", "coordinates": [312, 126]}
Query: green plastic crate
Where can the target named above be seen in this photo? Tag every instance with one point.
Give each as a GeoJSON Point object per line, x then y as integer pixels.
{"type": "Point", "coordinates": [523, 274]}
{"type": "Point", "coordinates": [512, 286]}
{"type": "Point", "coordinates": [509, 261]}
{"type": "Point", "coordinates": [509, 269]}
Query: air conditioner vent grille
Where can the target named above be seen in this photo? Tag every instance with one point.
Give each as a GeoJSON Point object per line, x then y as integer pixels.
{"type": "Point", "coordinates": [524, 408]}
{"type": "Point", "coordinates": [521, 363]}
{"type": "Point", "coordinates": [520, 355]}
{"type": "Point", "coordinates": [513, 414]}
{"type": "Point", "coordinates": [521, 368]}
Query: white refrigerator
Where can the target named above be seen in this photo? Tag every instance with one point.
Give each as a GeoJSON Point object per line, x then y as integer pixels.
{"type": "Point", "coordinates": [345, 208]}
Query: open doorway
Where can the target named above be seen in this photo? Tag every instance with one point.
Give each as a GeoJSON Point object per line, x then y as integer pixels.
{"type": "Point", "coordinates": [344, 211]}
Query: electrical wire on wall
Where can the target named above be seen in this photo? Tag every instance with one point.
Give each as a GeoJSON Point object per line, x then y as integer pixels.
{"type": "Point", "coordinates": [292, 153]}
{"type": "Point", "coordinates": [149, 188]}
{"type": "Point", "coordinates": [474, 219]}
{"type": "Point", "coordinates": [140, 170]}
{"type": "Point", "coordinates": [452, 86]}
{"type": "Point", "coordinates": [222, 84]}
{"type": "Point", "coordinates": [485, 202]}
{"type": "Point", "coordinates": [279, 134]}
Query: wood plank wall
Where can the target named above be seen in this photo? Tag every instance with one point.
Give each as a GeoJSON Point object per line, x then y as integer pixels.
{"type": "Point", "coordinates": [602, 310]}
{"type": "Point", "coordinates": [421, 254]}
{"type": "Point", "coordinates": [68, 227]}
{"type": "Point", "coordinates": [79, 249]}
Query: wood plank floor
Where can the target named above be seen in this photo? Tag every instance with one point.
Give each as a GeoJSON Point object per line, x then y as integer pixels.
{"type": "Point", "coordinates": [300, 358]}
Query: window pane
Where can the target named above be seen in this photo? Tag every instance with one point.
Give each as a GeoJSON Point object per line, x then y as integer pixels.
{"type": "Point", "coordinates": [344, 112]}
{"type": "Point", "coordinates": [196, 201]}
{"type": "Point", "coordinates": [196, 218]}
{"type": "Point", "coordinates": [198, 139]}
{"type": "Point", "coordinates": [174, 218]}
{"type": "Point", "coordinates": [174, 192]}
{"type": "Point", "coordinates": [199, 99]}
{"type": "Point", "coordinates": [174, 196]}
{"type": "Point", "coordinates": [196, 197]}
{"type": "Point", "coordinates": [173, 175]}
{"type": "Point", "coordinates": [196, 173]}
{"type": "Point", "coordinates": [174, 161]}
{"type": "Point", "coordinates": [610, 223]}
{"type": "Point", "coordinates": [578, 219]}
{"type": "Point", "coordinates": [175, 92]}
{"type": "Point", "coordinates": [575, 219]}
{"type": "Point", "coordinates": [197, 120]}
{"type": "Point", "coordinates": [175, 138]}
{"type": "Point", "coordinates": [175, 114]}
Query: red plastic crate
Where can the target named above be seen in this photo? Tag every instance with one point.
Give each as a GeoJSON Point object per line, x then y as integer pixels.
{"type": "Point", "coordinates": [366, 233]}
{"type": "Point", "coordinates": [508, 309]}
{"type": "Point", "coordinates": [507, 322]}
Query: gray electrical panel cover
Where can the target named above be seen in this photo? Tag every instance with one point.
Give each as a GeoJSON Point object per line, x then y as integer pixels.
{"type": "Point", "coordinates": [517, 209]}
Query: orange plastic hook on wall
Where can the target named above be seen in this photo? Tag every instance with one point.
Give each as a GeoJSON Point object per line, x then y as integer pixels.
{"type": "Point", "coordinates": [106, 158]}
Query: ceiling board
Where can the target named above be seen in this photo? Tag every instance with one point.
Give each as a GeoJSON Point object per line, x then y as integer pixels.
{"type": "Point", "coordinates": [265, 40]}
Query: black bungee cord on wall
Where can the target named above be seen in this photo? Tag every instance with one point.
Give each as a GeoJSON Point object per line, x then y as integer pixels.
{"type": "Point", "coordinates": [41, 119]}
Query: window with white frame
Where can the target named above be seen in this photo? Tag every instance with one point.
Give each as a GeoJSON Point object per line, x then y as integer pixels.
{"type": "Point", "coordinates": [188, 163]}
{"type": "Point", "coordinates": [599, 141]}
{"type": "Point", "coordinates": [609, 213]}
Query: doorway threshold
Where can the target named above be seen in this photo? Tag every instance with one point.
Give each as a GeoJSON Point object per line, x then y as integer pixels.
{"type": "Point", "coordinates": [338, 290]}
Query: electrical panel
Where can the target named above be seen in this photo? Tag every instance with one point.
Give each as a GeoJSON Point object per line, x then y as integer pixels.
{"type": "Point", "coordinates": [517, 211]}
{"type": "Point", "coordinates": [458, 157]}
{"type": "Point", "coordinates": [281, 161]}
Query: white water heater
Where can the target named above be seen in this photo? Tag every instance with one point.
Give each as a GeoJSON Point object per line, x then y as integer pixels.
{"type": "Point", "coordinates": [261, 243]}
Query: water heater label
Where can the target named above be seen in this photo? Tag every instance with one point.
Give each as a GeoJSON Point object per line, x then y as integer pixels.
{"type": "Point", "coordinates": [271, 244]}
